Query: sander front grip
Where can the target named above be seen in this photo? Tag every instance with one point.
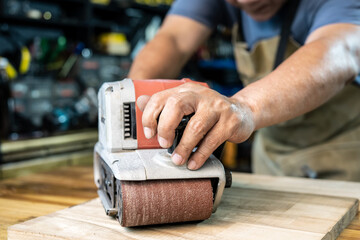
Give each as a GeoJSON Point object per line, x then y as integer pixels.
{"type": "Point", "coordinates": [165, 201]}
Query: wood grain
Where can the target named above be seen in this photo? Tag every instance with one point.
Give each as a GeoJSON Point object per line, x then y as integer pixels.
{"type": "Point", "coordinates": [298, 185]}
{"type": "Point", "coordinates": [248, 214]}
{"type": "Point", "coordinates": [28, 197]}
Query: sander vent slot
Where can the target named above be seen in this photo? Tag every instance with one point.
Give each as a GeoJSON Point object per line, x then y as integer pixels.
{"type": "Point", "coordinates": [129, 120]}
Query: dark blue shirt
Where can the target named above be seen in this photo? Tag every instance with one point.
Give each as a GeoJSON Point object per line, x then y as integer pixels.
{"type": "Point", "coordinates": [311, 15]}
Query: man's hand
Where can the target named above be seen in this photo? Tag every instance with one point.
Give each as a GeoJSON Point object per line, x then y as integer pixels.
{"type": "Point", "coordinates": [217, 119]}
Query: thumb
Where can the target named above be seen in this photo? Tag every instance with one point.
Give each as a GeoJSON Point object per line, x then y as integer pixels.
{"type": "Point", "coordinates": [142, 101]}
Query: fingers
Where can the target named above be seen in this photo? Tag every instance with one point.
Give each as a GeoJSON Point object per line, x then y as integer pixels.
{"type": "Point", "coordinates": [215, 121]}
{"type": "Point", "coordinates": [196, 129]}
{"type": "Point", "coordinates": [171, 105]}
{"type": "Point", "coordinates": [151, 112]}
{"type": "Point", "coordinates": [230, 126]}
{"type": "Point", "coordinates": [213, 139]}
{"type": "Point", "coordinates": [142, 101]}
{"type": "Point", "coordinates": [176, 107]}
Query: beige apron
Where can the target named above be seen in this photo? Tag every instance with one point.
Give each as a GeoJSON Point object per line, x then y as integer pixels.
{"type": "Point", "coordinates": [324, 143]}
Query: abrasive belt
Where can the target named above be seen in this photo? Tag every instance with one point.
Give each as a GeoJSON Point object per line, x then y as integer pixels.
{"type": "Point", "coordinates": [165, 201]}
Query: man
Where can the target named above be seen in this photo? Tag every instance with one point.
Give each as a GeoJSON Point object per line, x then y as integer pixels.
{"type": "Point", "coordinates": [306, 111]}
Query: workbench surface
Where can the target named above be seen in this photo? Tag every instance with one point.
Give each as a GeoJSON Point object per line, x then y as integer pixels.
{"type": "Point", "coordinates": [35, 195]}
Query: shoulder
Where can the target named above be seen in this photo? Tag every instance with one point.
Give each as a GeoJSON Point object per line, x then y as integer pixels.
{"type": "Point", "coordinates": [313, 14]}
{"type": "Point", "coordinates": [323, 12]}
{"type": "Point", "coordinates": [208, 12]}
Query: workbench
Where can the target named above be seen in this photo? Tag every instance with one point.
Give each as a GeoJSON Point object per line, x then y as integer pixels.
{"type": "Point", "coordinates": [34, 195]}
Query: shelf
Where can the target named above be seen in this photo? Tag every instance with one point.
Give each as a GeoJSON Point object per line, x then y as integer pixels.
{"type": "Point", "coordinates": [64, 1]}
{"type": "Point", "coordinates": [41, 22]}
{"type": "Point", "coordinates": [108, 25]}
{"type": "Point", "coordinates": [88, 18]}
{"type": "Point", "coordinates": [160, 10]}
{"type": "Point", "coordinates": [21, 150]}
{"type": "Point", "coordinates": [115, 8]}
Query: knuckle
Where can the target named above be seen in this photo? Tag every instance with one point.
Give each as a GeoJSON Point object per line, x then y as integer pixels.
{"type": "Point", "coordinates": [174, 101]}
{"type": "Point", "coordinates": [164, 130]}
{"type": "Point", "coordinates": [196, 127]}
{"type": "Point", "coordinates": [201, 156]}
{"type": "Point", "coordinates": [190, 85]}
{"type": "Point", "coordinates": [234, 121]}
{"type": "Point", "coordinates": [150, 124]}
{"type": "Point", "coordinates": [185, 149]}
{"type": "Point", "coordinates": [156, 99]}
{"type": "Point", "coordinates": [220, 104]}
{"type": "Point", "coordinates": [147, 120]}
{"type": "Point", "coordinates": [211, 143]}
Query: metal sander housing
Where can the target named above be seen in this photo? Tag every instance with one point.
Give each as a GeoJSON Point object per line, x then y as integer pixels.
{"type": "Point", "coordinates": [118, 159]}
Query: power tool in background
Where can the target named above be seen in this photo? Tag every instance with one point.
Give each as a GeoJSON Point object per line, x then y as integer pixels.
{"type": "Point", "coordinates": [136, 179]}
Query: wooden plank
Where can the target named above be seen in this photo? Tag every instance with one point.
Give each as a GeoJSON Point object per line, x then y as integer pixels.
{"type": "Point", "coordinates": [42, 164]}
{"type": "Point", "coordinates": [46, 152]}
{"type": "Point", "coordinates": [298, 185]}
{"type": "Point", "coordinates": [34, 195]}
{"type": "Point", "coordinates": [246, 213]}
{"type": "Point", "coordinates": [66, 139]}
{"type": "Point", "coordinates": [71, 185]}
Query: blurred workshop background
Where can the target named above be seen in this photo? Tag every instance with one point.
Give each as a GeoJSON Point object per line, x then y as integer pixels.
{"type": "Point", "coordinates": [55, 54]}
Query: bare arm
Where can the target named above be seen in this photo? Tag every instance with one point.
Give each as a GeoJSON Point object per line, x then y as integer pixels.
{"type": "Point", "coordinates": [311, 76]}
{"type": "Point", "coordinates": [163, 57]}
{"type": "Point", "coordinates": [317, 71]}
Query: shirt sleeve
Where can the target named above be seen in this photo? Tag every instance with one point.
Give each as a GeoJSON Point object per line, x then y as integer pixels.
{"type": "Point", "coordinates": [324, 12]}
{"type": "Point", "coordinates": [207, 12]}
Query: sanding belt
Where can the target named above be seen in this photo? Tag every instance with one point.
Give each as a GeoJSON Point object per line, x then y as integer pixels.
{"type": "Point", "coordinates": [165, 201]}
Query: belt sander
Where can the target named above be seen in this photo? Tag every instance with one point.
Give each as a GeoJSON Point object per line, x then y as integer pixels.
{"type": "Point", "coordinates": [136, 179]}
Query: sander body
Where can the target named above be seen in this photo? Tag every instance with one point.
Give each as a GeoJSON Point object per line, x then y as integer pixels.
{"type": "Point", "coordinates": [136, 179]}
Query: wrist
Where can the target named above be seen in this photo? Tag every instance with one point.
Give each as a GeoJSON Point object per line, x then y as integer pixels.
{"type": "Point", "coordinates": [248, 109]}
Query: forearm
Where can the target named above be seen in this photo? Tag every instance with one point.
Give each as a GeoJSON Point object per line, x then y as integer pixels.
{"type": "Point", "coordinates": [158, 59]}
{"type": "Point", "coordinates": [309, 78]}
{"type": "Point", "coordinates": [166, 54]}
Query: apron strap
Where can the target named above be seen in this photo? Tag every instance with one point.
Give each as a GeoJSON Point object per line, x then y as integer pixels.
{"type": "Point", "coordinates": [240, 27]}
{"type": "Point", "coordinates": [291, 7]}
